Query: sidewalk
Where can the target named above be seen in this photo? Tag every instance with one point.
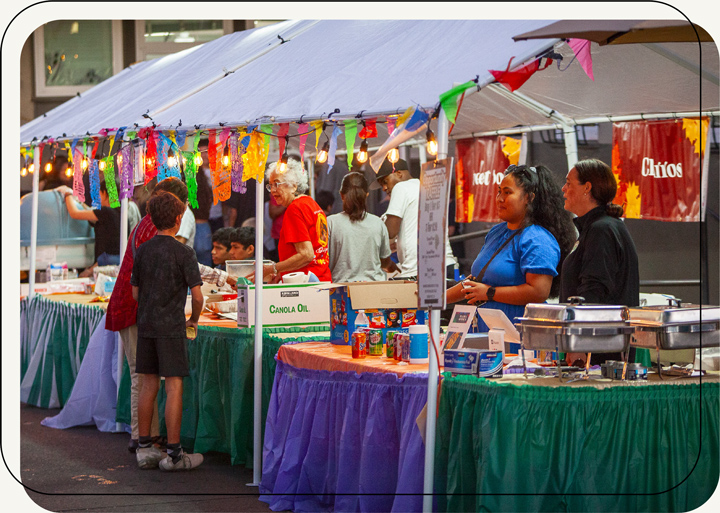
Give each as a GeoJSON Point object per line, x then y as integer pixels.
{"type": "Point", "coordinates": [84, 469]}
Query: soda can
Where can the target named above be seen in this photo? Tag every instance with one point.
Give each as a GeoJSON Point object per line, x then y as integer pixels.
{"type": "Point", "coordinates": [375, 342]}
{"type": "Point", "coordinates": [390, 344]}
{"type": "Point", "coordinates": [406, 347]}
{"type": "Point", "coordinates": [359, 344]}
{"type": "Point", "coordinates": [397, 347]}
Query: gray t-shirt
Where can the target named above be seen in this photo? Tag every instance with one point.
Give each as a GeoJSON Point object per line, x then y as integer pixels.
{"type": "Point", "coordinates": [356, 248]}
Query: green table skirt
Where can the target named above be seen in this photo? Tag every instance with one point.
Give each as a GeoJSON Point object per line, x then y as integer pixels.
{"type": "Point", "coordinates": [218, 394]}
{"type": "Point", "coordinates": [503, 447]}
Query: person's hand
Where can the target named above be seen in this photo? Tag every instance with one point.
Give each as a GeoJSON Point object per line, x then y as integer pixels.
{"type": "Point", "coordinates": [231, 280]}
{"type": "Point", "coordinates": [268, 272]}
{"type": "Point", "coordinates": [64, 189]}
{"type": "Point", "coordinates": [191, 324]}
{"type": "Point", "coordinates": [475, 293]}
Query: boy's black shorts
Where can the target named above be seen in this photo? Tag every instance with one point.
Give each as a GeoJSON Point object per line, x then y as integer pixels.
{"type": "Point", "coordinates": [166, 357]}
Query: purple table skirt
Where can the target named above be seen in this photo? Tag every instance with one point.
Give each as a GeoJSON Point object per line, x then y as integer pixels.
{"type": "Point", "coordinates": [332, 433]}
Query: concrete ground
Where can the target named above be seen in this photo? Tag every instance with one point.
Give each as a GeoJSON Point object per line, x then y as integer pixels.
{"type": "Point", "coordinates": [83, 469]}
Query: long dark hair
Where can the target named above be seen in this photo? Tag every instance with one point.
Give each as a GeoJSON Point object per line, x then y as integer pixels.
{"type": "Point", "coordinates": [354, 191]}
{"type": "Point", "coordinates": [546, 208]}
{"type": "Point", "coordinates": [604, 186]}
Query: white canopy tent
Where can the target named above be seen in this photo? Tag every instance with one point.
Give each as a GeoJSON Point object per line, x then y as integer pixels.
{"type": "Point", "coordinates": [307, 70]}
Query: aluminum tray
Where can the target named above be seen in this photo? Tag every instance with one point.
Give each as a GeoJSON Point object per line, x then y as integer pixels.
{"type": "Point", "coordinates": [580, 337]}
{"type": "Point", "coordinates": [564, 312]}
{"type": "Point", "coordinates": [676, 313]}
{"type": "Point", "coordinates": [678, 336]}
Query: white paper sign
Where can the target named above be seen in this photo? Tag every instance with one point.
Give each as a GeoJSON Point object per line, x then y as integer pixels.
{"type": "Point", "coordinates": [432, 232]}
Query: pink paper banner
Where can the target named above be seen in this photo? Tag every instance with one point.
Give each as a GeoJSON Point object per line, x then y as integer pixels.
{"type": "Point", "coordinates": [78, 185]}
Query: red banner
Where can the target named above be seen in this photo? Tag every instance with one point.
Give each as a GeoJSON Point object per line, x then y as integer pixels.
{"type": "Point", "coordinates": [481, 164]}
{"type": "Point", "coordinates": [657, 168]}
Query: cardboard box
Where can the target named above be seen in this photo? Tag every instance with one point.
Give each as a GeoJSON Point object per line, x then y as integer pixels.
{"type": "Point", "coordinates": [389, 305]}
{"type": "Point", "coordinates": [461, 361]}
{"type": "Point", "coordinates": [284, 305]}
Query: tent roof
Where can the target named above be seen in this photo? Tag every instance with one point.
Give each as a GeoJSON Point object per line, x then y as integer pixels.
{"type": "Point", "coordinates": [383, 67]}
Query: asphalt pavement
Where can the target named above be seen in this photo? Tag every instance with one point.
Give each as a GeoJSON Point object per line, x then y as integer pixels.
{"type": "Point", "coordinates": [83, 469]}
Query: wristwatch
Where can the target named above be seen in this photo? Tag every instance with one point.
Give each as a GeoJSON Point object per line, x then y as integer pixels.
{"type": "Point", "coordinates": [490, 293]}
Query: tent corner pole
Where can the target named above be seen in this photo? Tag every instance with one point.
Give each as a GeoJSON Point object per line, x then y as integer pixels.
{"type": "Point", "coordinates": [33, 225]}
{"type": "Point", "coordinates": [571, 149]}
{"type": "Point", "coordinates": [257, 386]}
{"type": "Point", "coordinates": [123, 246]}
{"type": "Point", "coordinates": [433, 367]}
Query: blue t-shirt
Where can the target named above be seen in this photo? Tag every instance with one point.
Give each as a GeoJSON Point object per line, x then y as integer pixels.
{"type": "Point", "coordinates": [534, 251]}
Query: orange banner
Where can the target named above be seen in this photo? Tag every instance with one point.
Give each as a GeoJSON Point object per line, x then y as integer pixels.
{"type": "Point", "coordinates": [481, 164]}
{"type": "Point", "coordinates": [657, 167]}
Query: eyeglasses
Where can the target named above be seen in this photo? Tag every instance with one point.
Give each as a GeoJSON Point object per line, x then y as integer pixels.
{"type": "Point", "coordinates": [271, 186]}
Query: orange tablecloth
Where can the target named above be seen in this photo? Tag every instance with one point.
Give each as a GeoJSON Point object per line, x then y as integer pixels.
{"type": "Point", "coordinates": [331, 357]}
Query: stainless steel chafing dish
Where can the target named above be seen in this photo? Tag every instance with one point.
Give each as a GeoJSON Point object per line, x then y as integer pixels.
{"type": "Point", "coordinates": [576, 327]}
{"type": "Point", "coordinates": [675, 326]}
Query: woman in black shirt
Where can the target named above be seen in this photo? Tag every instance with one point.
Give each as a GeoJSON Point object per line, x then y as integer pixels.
{"type": "Point", "coordinates": [603, 267]}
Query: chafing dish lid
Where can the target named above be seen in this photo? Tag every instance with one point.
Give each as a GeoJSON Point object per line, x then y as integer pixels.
{"type": "Point", "coordinates": [674, 313]}
{"type": "Point", "coordinates": [576, 311]}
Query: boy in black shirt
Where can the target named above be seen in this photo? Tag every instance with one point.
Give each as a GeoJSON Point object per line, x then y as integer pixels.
{"type": "Point", "coordinates": [162, 272]}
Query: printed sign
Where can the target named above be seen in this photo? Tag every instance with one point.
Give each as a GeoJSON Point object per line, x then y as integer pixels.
{"type": "Point", "coordinates": [480, 169]}
{"type": "Point", "coordinates": [432, 232]}
{"type": "Point", "coordinates": [657, 168]}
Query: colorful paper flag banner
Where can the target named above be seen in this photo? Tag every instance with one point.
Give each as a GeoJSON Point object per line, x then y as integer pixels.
{"type": "Point", "coordinates": [109, 174]}
{"type": "Point", "coordinates": [78, 185]}
{"type": "Point", "coordinates": [126, 172]}
{"type": "Point", "coordinates": [190, 170]}
{"type": "Point", "coordinates": [333, 146]}
{"type": "Point", "coordinates": [581, 47]}
{"type": "Point", "coordinates": [95, 184]}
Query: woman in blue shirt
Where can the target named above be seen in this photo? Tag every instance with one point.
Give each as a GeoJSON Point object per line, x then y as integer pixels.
{"type": "Point", "coordinates": [539, 234]}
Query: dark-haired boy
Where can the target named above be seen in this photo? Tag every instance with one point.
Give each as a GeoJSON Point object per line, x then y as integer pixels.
{"type": "Point", "coordinates": [242, 244]}
{"type": "Point", "coordinates": [221, 241]}
{"type": "Point", "coordinates": [163, 270]}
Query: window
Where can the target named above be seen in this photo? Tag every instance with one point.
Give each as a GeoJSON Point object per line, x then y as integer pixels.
{"type": "Point", "coordinates": [155, 38]}
{"type": "Point", "coordinates": [71, 56]}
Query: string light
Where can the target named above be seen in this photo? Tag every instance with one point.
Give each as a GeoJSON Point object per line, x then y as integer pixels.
{"type": "Point", "coordinates": [23, 171]}
{"type": "Point", "coordinates": [226, 157]}
{"type": "Point", "coordinates": [149, 162]}
{"type": "Point", "coordinates": [362, 155]}
{"type": "Point", "coordinates": [198, 159]}
{"type": "Point", "coordinates": [31, 168]}
{"type": "Point", "coordinates": [282, 166]}
{"type": "Point", "coordinates": [172, 161]}
{"type": "Point", "coordinates": [394, 155]}
{"type": "Point", "coordinates": [322, 156]}
{"type": "Point", "coordinates": [84, 164]}
{"type": "Point", "coordinates": [48, 167]}
{"type": "Point", "coordinates": [69, 172]}
{"type": "Point", "coordinates": [432, 145]}
{"type": "Point", "coordinates": [101, 165]}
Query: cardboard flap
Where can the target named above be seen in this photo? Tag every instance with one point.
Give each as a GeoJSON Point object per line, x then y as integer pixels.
{"type": "Point", "coordinates": [383, 294]}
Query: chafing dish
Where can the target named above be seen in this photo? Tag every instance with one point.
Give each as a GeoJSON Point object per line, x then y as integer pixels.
{"type": "Point", "coordinates": [675, 326]}
{"type": "Point", "coordinates": [576, 327]}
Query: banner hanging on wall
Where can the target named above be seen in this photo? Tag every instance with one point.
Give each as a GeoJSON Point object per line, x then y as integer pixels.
{"type": "Point", "coordinates": [480, 168]}
{"type": "Point", "coordinates": [657, 168]}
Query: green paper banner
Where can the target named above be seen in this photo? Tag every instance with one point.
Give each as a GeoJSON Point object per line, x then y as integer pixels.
{"type": "Point", "coordinates": [190, 175]}
{"type": "Point", "coordinates": [109, 174]}
{"type": "Point", "coordinates": [448, 99]}
{"type": "Point", "coordinates": [350, 133]}
{"type": "Point", "coordinates": [267, 129]}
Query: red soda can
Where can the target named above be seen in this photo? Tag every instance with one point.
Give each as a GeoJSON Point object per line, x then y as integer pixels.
{"type": "Point", "coordinates": [359, 344]}
{"type": "Point", "coordinates": [390, 344]}
{"type": "Point", "coordinates": [397, 347]}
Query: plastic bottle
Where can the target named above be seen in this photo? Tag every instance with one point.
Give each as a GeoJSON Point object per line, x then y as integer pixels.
{"type": "Point", "coordinates": [361, 321]}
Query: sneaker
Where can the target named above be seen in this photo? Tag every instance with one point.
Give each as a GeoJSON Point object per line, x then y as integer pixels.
{"type": "Point", "coordinates": [186, 462]}
{"type": "Point", "coordinates": [133, 445]}
{"type": "Point", "coordinates": [148, 457]}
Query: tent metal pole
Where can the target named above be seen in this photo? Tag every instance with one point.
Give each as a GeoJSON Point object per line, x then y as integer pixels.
{"type": "Point", "coordinates": [422, 153]}
{"type": "Point", "coordinates": [310, 167]}
{"type": "Point", "coordinates": [257, 387]}
{"type": "Point", "coordinates": [683, 62]}
{"type": "Point", "coordinates": [33, 224]}
{"type": "Point", "coordinates": [123, 246]}
{"type": "Point", "coordinates": [571, 150]}
{"type": "Point", "coordinates": [433, 367]}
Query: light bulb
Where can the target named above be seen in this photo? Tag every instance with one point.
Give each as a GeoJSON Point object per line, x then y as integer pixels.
{"type": "Point", "coordinates": [432, 145]}
{"type": "Point", "coordinates": [83, 164]}
{"type": "Point", "coordinates": [69, 172]}
{"type": "Point", "coordinates": [101, 165]}
{"type": "Point", "coordinates": [198, 159]}
{"type": "Point", "coordinates": [23, 172]}
{"type": "Point", "coordinates": [282, 165]}
{"type": "Point", "coordinates": [31, 168]}
{"type": "Point", "coordinates": [226, 157]}
{"type": "Point", "coordinates": [48, 167]}
{"type": "Point", "coordinates": [362, 155]}
{"type": "Point", "coordinates": [149, 161]}
{"type": "Point", "coordinates": [323, 154]}
{"type": "Point", "coordinates": [119, 159]}
{"type": "Point", "coordinates": [394, 155]}
{"type": "Point", "coordinates": [172, 161]}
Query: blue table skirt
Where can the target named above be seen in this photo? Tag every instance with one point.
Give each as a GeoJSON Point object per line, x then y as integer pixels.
{"type": "Point", "coordinates": [332, 433]}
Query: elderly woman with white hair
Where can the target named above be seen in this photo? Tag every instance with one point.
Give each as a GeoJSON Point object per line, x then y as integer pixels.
{"type": "Point", "coordinates": [303, 244]}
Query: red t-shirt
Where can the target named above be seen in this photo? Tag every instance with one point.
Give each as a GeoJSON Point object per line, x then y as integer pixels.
{"type": "Point", "coordinates": [122, 308]}
{"type": "Point", "coordinates": [304, 220]}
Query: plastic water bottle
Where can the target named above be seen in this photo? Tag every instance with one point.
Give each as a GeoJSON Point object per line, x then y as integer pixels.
{"type": "Point", "coordinates": [361, 321]}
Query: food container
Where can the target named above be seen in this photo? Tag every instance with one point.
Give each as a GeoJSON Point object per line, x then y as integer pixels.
{"type": "Point", "coordinates": [675, 326]}
{"type": "Point", "coordinates": [576, 327]}
{"type": "Point", "coordinates": [242, 268]}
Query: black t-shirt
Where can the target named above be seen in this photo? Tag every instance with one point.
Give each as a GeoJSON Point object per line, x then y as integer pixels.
{"type": "Point", "coordinates": [244, 203]}
{"type": "Point", "coordinates": [164, 269]}
{"type": "Point", "coordinates": [107, 231]}
{"type": "Point", "coordinates": [204, 197]}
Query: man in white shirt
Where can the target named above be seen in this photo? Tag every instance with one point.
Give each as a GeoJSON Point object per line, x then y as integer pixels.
{"type": "Point", "coordinates": [401, 217]}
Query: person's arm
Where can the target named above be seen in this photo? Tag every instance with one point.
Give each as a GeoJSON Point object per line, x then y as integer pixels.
{"type": "Point", "coordinates": [135, 292]}
{"type": "Point", "coordinates": [82, 214]}
{"type": "Point", "coordinates": [181, 239]}
{"type": "Point", "coordinates": [215, 276]}
{"type": "Point", "coordinates": [393, 225]}
{"type": "Point", "coordinates": [197, 305]}
{"type": "Point", "coordinates": [536, 289]}
{"type": "Point", "coordinates": [275, 210]}
{"type": "Point", "coordinates": [229, 215]}
{"type": "Point", "coordinates": [388, 265]}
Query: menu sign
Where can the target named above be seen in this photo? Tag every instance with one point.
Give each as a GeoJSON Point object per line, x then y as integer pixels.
{"type": "Point", "coordinates": [432, 232]}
